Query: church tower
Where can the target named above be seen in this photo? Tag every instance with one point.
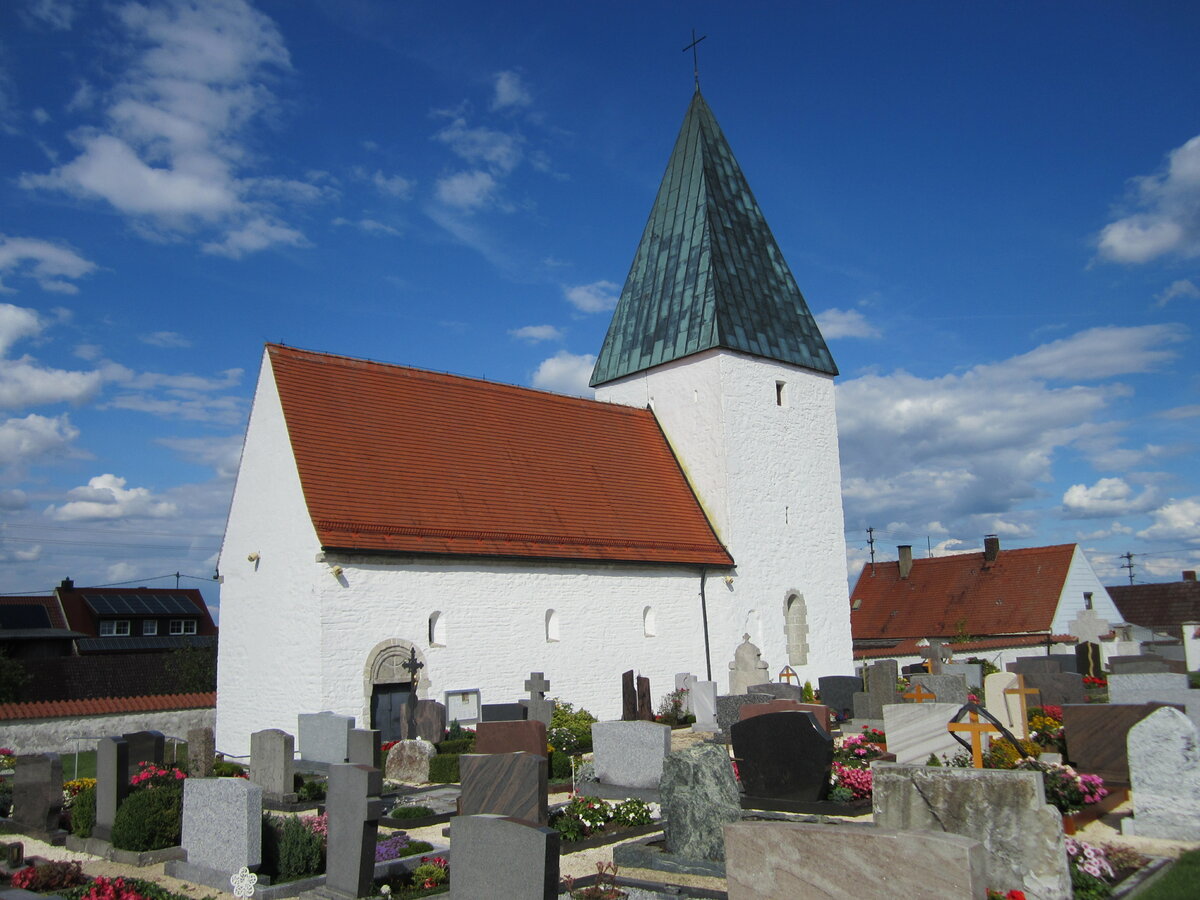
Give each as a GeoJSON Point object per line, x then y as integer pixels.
{"type": "Point", "coordinates": [712, 333]}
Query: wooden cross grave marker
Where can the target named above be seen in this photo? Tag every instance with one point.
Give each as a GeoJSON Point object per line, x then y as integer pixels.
{"type": "Point", "coordinates": [1021, 692]}
{"type": "Point", "coordinates": [919, 695]}
{"type": "Point", "coordinates": [788, 674]}
{"type": "Point", "coordinates": [977, 730]}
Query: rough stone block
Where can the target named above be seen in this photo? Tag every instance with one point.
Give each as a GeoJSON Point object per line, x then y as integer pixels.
{"type": "Point", "coordinates": [408, 761]}
{"type": "Point", "coordinates": [699, 796]}
{"type": "Point", "coordinates": [272, 763]}
{"type": "Point", "coordinates": [202, 751]}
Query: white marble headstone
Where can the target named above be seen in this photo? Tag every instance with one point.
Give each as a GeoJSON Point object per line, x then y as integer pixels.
{"type": "Point", "coordinates": [1164, 774]}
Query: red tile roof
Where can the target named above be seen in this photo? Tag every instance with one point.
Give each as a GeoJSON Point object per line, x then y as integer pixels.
{"type": "Point", "coordinates": [1158, 605]}
{"type": "Point", "coordinates": [54, 709]}
{"type": "Point", "coordinates": [50, 604]}
{"type": "Point", "coordinates": [947, 596]}
{"type": "Point", "coordinates": [403, 460]}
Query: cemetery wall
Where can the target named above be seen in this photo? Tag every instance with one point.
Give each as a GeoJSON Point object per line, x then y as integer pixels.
{"type": "Point", "coordinates": [70, 734]}
{"type": "Point", "coordinates": [769, 477]}
{"type": "Point", "coordinates": [1082, 579]}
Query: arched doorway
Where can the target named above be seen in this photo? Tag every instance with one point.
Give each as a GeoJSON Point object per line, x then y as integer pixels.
{"type": "Point", "coordinates": [388, 685]}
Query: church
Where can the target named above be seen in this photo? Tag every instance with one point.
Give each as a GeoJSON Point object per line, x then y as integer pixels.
{"type": "Point", "coordinates": [385, 516]}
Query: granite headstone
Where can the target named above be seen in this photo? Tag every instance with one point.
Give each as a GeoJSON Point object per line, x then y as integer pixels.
{"type": "Point", "coordinates": [112, 783]}
{"type": "Point", "coordinates": [630, 754]}
{"type": "Point", "coordinates": [504, 784]}
{"type": "Point", "coordinates": [699, 796]}
{"type": "Point", "coordinates": [783, 756]}
{"type": "Point", "coordinates": [324, 736]}
{"type": "Point", "coordinates": [837, 692]}
{"type": "Point", "coordinates": [354, 810]}
{"type": "Point", "coordinates": [503, 858]}
{"type": "Point", "coordinates": [37, 792]}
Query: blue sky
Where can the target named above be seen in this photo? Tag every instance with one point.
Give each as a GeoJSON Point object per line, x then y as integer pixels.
{"type": "Point", "coordinates": [993, 210]}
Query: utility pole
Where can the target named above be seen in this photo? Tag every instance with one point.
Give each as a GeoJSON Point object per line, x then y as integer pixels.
{"type": "Point", "coordinates": [1128, 564]}
{"type": "Point", "coordinates": [871, 544]}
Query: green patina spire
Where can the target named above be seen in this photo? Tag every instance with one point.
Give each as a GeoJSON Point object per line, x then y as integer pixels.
{"type": "Point", "coordinates": [708, 272]}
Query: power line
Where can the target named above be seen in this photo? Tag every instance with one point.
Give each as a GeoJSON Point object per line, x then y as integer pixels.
{"type": "Point", "coordinates": [175, 575]}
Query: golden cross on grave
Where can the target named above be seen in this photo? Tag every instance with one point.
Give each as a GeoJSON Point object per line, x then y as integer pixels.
{"type": "Point", "coordinates": [1020, 691]}
{"type": "Point", "coordinates": [977, 729]}
{"type": "Point", "coordinates": [788, 674]}
{"type": "Point", "coordinates": [919, 694]}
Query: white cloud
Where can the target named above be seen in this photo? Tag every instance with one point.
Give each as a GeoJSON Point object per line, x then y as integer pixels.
{"type": "Point", "coordinates": [16, 323]}
{"type": "Point", "coordinates": [221, 453]}
{"type": "Point", "coordinates": [35, 438]}
{"type": "Point", "coordinates": [1100, 353]}
{"type": "Point", "coordinates": [165, 339]}
{"type": "Point", "coordinates": [1167, 216]}
{"type": "Point", "coordinates": [392, 185]}
{"type": "Point", "coordinates": [1112, 530]}
{"type": "Point", "coordinates": [844, 323]}
{"type": "Point", "coordinates": [510, 91]}
{"type": "Point", "coordinates": [46, 263]}
{"type": "Point", "coordinates": [566, 373]}
{"type": "Point", "coordinates": [1181, 412]}
{"type": "Point", "coordinates": [13, 499]}
{"type": "Point", "coordinates": [57, 14]}
{"type": "Point", "coordinates": [191, 398]}
{"type": "Point", "coordinates": [1177, 289]}
{"type": "Point", "coordinates": [535, 333]}
{"type": "Point", "coordinates": [173, 138]}
{"type": "Point", "coordinates": [1107, 497]}
{"type": "Point", "coordinates": [592, 298]}
{"type": "Point", "coordinates": [106, 497]}
{"type": "Point", "coordinates": [499, 151]}
{"type": "Point", "coordinates": [1175, 520]}
{"type": "Point", "coordinates": [370, 226]}
{"type": "Point", "coordinates": [24, 382]}
{"type": "Point", "coordinates": [466, 190]}
{"type": "Point", "coordinates": [41, 116]}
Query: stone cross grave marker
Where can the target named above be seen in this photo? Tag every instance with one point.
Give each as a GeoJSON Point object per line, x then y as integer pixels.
{"type": "Point", "coordinates": [917, 695]}
{"type": "Point", "coordinates": [503, 859]}
{"type": "Point", "coordinates": [1088, 627]}
{"type": "Point", "coordinates": [112, 783]}
{"type": "Point", "coordinates": [977, 730]}
{"type": "Point", "coordinates": [645, 706]}
{"type": "Point", "coordinates": [934, 655]}
{"type": "Point", "coordinates": [540, 709]}
{"type": "Point", "coordinates": [413, 667]}
{"type": "Point", "coordinates": [354, 809]}
{"type": "Point", "coordinates": [628, 697]}
{"type": "Point", "coordinates": [37, 796]}
{"type": "Point", "coordinates": [881, 689]}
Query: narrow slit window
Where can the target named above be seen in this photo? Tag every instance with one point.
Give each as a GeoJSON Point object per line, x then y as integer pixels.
{"type": "Point", "coordinates": [781, 393]}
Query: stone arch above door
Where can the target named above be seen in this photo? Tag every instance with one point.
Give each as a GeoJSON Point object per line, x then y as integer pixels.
{"type": "Point", "coordinates": [385, 666]}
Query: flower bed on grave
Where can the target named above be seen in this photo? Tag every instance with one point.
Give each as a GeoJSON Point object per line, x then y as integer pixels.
{"type": "Point", "coordinates": [850, 778]}
{"type": "Point", "coordinates": [598, 822]}
{"type": "Point", "coordinates": [431, 877]}
{"type": "Point", "coordinates": [66, 880]}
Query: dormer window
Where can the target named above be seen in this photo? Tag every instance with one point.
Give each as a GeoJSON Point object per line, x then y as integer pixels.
{"type": "Point", "coordinates": [114, 628]}
{"type": "Point", "coordinates": [183, 626]}
{"type": "Point", "coordinates": [150, 627]}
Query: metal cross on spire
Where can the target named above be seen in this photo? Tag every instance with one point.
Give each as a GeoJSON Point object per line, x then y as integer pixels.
{"type": "Point", "coordinates": [695, 56]}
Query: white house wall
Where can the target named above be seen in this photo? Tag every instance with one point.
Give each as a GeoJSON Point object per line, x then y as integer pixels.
{"type": "Point", "coordinates": [769, 477]}
{"type": "Point", "coordinates": [1081, 579]}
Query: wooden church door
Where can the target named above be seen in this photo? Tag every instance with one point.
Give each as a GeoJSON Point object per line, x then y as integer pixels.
{"type": "Point", "coordinates": [389, 705]}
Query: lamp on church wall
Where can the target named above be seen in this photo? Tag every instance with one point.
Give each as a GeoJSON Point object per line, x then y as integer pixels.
{"type": "Point", "coordinates": [336, 571]}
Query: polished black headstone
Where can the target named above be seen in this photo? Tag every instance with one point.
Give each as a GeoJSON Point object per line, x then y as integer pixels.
{"type": "Point", "coordinates": [837, 692]}
{"type": "Point", "coordinates": [1087, 660]}
{"type": "Point", "coordinates": [501, 712]}
{"type": "Point", "coordinates": [783, 756]}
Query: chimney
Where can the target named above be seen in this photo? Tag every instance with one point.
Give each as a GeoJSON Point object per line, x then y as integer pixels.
{"type": "Point", "coordinates": [991, 547]}
{"type": "Point", "coordinates": [67, 584]}
{"type": "Point", "coordinates": [905, 559]}
{"type": "Point", "coordinates": [1189, 574]}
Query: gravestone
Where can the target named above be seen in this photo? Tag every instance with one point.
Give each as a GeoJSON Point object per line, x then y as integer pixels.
{"type": "Point", "coordinates": [1022, 835]}
{"type": "Point", "coordinates": [630, 754]}
{"type": "Point", "coordinates": [1066, 661]}
{"type": "Point", "coordinates": [1096, 735]}
{"type": "Point", "coordinates": [408, 761]}
{"type": "Point", "coordinates": [822, 714]}
{"type": "Point", "coordinates": [202, 752]}
{"type": "Point", "coordinates": [502, 712]}
{"type": "Point", "coordinates": [363, 748]}
{"type": "Point", "coordinates": [914, 730]}
{"type": "Point", "coordinates": [936, 655]}
{"type": "Point", "coordinates": [1155, 687]}
{"type": "Point", "coordinates": [946, 688]}
{"type": "Point", "coordinates": [1164, 771]}
{"type": "Point", "coordinates": [324, 736]}
{"type": "Point", "coordinates": [1148, 664]}
{"type": "Point", "coordinates": [429, 717]}
{"type": "Point", "coordinates": [1006, 707]}
{"type": "Point", "coordinates": [972, 673]}
{"type": "Point", "coordinates": [503, 858]}
{"type": "Point", "coordinates": [880, 679]}
{"type": "Point", "coordinates": [112, 783]}
{"type": "Point", "coordinates": [686, 681]}
{"type": "Point", "coordinates": [1028, 665]}
{"type": "Point", "coordinates": [747, 668]}
{"type": "Point", "coordinates": [354, 810]}
{"type": "Point", "coordinates": [704, 706]}
{"type": "Point", "coordinates": [503, 784]}
{"type": "Point", "coordinates": [511, 737]}
{"type": "Point", "coordinates": [783, 757]}
{"type": "Point", "coordinates": [778, 690]}
{"type": "Point", "coordinates": [628, 697]}
{"type": "Point", "coordinates": [699, 796]}
{"type": "Point", "coordinates": [1088, 627]}
{"type": "Point", "coordinates": [539, 708]}
{"type": "Point", "coordinates": [144, 747]}
{"type": "Point", "coordinates": [272, 764]}
{"type": "Point", "coordinates": [837, 692]}
{"type": "Point", "coordinates": [787, 860]}
{"type": "Point", "coordinates": [729, 706]}
{"type": "Point", "coordinates": [222, 830]}
{"type": "Point", "coordinates": [37, 793]}
{"type": "Point", "coordinates": [1088, 660]}
{"type": "Point", "coordinates": [645, 705]}
{"type": "Point", "coordinates": [1056, 688]}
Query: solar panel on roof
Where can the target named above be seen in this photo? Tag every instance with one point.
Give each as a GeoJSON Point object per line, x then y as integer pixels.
{"type": "Point", "coordinates": [117, 644]}
{"type": "Point", "coordinates": [24, 615]}
{"type": "Point", "coordinates": [147, 603]}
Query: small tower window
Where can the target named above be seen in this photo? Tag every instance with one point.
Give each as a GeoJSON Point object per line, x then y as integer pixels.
{"type": "Point", "coordinates": [1087, 599]}
{"type": "Point", "coordinates": [551, 626]}
{"type": "Point", "coordinates": [649, 628]}
{"type": "Point", "coordinates": [781, 393]}
{"type": "Point", "coordinates": [437, 630]}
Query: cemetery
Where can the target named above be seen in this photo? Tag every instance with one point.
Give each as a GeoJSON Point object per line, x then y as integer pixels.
{"type": "Point", "coordinates": [1042, 788]}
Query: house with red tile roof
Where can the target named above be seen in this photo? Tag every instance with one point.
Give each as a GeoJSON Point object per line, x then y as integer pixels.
{"type": "Point", "coordinates": [1165, 616]}
{"type": "Point", "coordinates": [995, 604]}
{"type": "Point", "coordinates": [396, 531]}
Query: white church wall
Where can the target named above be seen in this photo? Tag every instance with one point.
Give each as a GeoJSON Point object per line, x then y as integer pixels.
{"type": "Point", "coordinates": [769, 477]}
{"type": "Point", "coordinates": [269, 652]}
{"type": "Point", "coordinates": [1081, 578]}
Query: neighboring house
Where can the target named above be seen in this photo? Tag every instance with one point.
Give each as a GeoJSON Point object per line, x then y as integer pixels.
{"type": "Point", "coordinates": [132, 620]}
{"type": "Point", "coordinates": [34, 628]}
{"type": "Point", "coordinates": [998, 604]}
{"type": "Point", "coordinates": [385, 515]}
{"type": "Point", "coordinates": [1165, 617]}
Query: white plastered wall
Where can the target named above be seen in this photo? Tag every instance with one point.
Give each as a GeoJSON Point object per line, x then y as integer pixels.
{"type": "Point", "coordinates": [769, 477]}
{"type": "Point", "coordinates": [1081, 578]}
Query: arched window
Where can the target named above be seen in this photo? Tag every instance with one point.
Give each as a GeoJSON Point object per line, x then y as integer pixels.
{"type": "Point", "coordinates": [649, 629]}
{"type": "Point", "coordinates": [437, 630]}
{"type": "Point", "coordinates": [795, 627]}
{"type": "Point", "coordinates": [551, 626]}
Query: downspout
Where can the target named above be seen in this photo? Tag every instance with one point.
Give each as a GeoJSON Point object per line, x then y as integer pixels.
{"type": "Point", "coordinates": [704, 615]}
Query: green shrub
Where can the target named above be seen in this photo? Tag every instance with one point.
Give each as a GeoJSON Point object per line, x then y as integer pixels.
{"type": "Point", "coordinates": [223, 769]}
{"type": "Point", "coordinates": [6, 791]}
{"type": "Point", "coordinates": [577, 722]}
{"type": "Point", "coordinates": [458, 745]}
{"type": "Point", "coordinates": [443, 768]}
{"type": "Point", "coordinates": [83, 813]}
{"type": "Point", "coordinates": [405, 811]}
{"type": "Point", "coordinates": [312, 790]}
{"type": "Point", "coordinates": [560, 766]}
{"type": "Point", "coordinates": [149, 819]}
{"type": "Point", "coordinates": [290, 850]}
